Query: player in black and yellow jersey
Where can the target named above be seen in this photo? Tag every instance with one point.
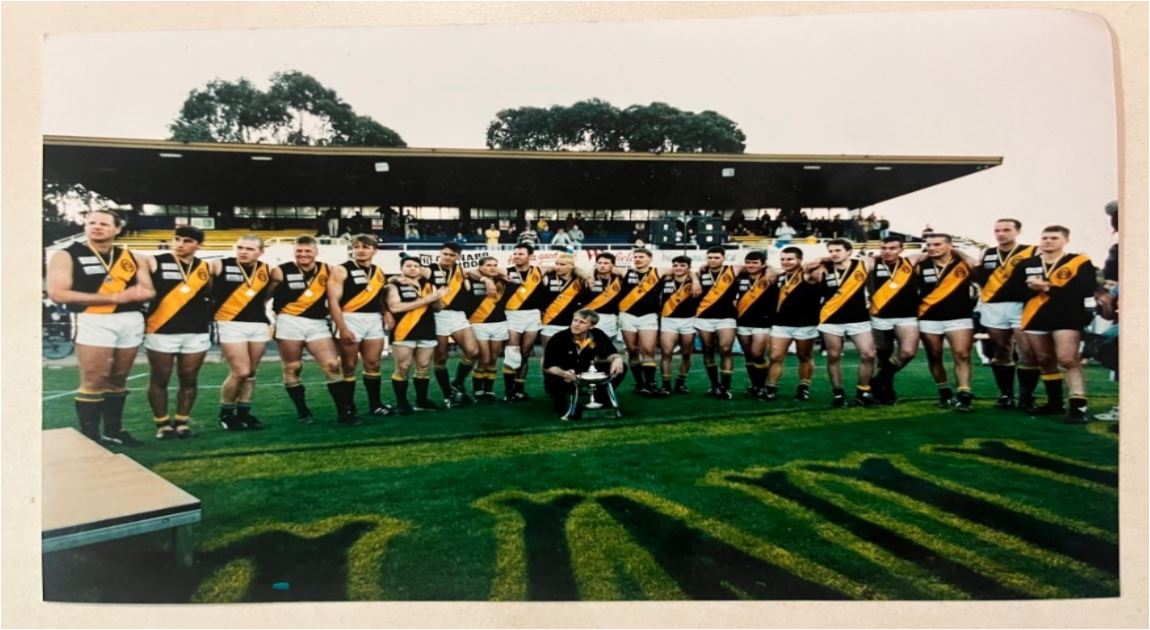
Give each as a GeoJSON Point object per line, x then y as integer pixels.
{"type": "Point", "coordinates": [677, 322]}
{"type": "Point", "coordinates": [844, 314]}
{"type": "Point", "coordinates": [602, 293]}
{"type": "Point", "coordinates": [639, 320]}
{"type": "Point", "coordinates": [1061, 286]}
{"type": "Point", "coordinates": [523, 323]}
{"type": "Point", "coordinates": [177, 325]}
{"type": "Point", "coordinates": [715, 320]}
{"type": "Point", "coordinates": [489, 323]}
{"type": "Point", "coordinates": [299, 298]}
{"type": "Point", "coordinates": [1000, 311]}
{"type": "Point", "coordinates": [355, 302]}
{"type": "Point", "coordinates": [413, 300]}
{"type": "Point", "coordinates": [796, 320]}
{"type": "Point", "coordinates": [240, 292]}
{"type": "Point", "coordinates": [563, 289]}
{"type": "Point", "coordinates": [451, 323]}
{"type": "Point", "coordinates": [893, 316]}
{"type": "Point", "coordinates": [755, 306]}
{"type": "Point", "coordinates": [946, 313]}
{"type": "Point", "coordinates": [105, 285]}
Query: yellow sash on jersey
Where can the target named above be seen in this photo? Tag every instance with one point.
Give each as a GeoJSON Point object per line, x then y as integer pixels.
{"type": "Point", "coordinates": [603, 299]}
{"type": "Point", "coordinates": [177, 299]}
{"type": "Point", "coordinates": [406, 323]}
{"type": "Point", "coordinates": [562, 301]}
{"type": "Point", "coordinates": [899, 281]}
{"type": "Point", "coordinates": [526, 289]}
{"type": "Point", "coordinates": [855, 281]}
{"type": "Point", "coordinates": [317, 287]}
{"type": "Point", "coordinates": [120, 273]}
{"type": "Point", "coordinates": [639, 291]}
{"type": "Point", "coordinates": [239, 299]}
{"type": "Point", "coordinates": [1000, 275]}
{"type": "Point", "coordinates": [788, 287]}
{"type": "Point", "coordinates": [678, 297]}
{"type": "Point", "coordinates": [947, 285]}
{"type": "Point", "coordinates": [454, 284]}
{"type": "Point", "coordinates": [486, 307]}
{"type": "Point", "coordinates": [718, 290]}
{"type": "Point", "coordinates": [374, 284]}
{"type": "Point", "coordinates": [1058, 278]}
{"type": "Point", "coordinates": [757, 290]}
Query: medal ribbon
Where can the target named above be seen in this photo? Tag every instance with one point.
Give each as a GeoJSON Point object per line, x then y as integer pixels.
{"type": "Point", "coordinates": [316, 288]}
{"type": "Point", "coordinates": [1035, 304]}
{"type": "Point", "coordinates": [722, 283]}
{"type": "Point", "coordinates": [950, 282]}
{"type": "Point", "coordinates": [374, 284]}
{"type": "Point", "coordinates": [120, 273]}
{"type": "Point", "coordinates": [1003, 272]}
{"type": "Point", "coordinates": [855, 280]}
{"type": "Point", "coordinates": [405, 325]}
{"type": "Point", "coordinates": [239, 299]}
{"type": "Point", "coordinates": [899, 281]}
{"type": "Point", "coordinates": [562, 301]}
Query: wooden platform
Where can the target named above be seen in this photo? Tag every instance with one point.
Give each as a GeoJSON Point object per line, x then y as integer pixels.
{"type": "Point", "coordinates": [92, 495]}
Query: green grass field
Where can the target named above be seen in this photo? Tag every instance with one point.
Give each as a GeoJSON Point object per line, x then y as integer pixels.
{"type": "Point", "coordinates": [683, 498]}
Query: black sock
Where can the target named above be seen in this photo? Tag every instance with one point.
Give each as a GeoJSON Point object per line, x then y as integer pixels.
{"type": "Point", "coordinates": [400, 389]}
{"type": "Point", "coordinates": [838, 392]}
{"type": "Point", "coordinates": [1027, 382]}
{"type": "Point", "coordinates": [243, 410]}
{"type": "Point", "coordinates": [649, 375]}
{"type": "Point", "coordinates": [752, 373]}
{"type": "Point", "coordinates": [113, 409]}
{"type": "Point", "coordinates": [680, 380]}
{"type": "Point", "coordinates": [1004, 379]}
{"type": "Point", "coordinates": [1076, 403]}
{"type": "Point", "coordinates": [338, 396]}
{"type": "Point", "coordinates": [443, 380]}
{"type": "Point", "coordinates": [462, 371]}
{"type": "Point", "coordinates": [88, 410]}
{"type": "Point", "coordinates": [422, 385]}
{"type": "Point", "coordinates": [724, 379]}
{"type": "Point", "coordinates": [478, 381]}
{"type": "Point", "coordinates": [666, 383]}
{"type": "Point", "coordinates": [771, 389]}
{"type": "Point", "coordinates": [1053, 386]}
{"type": "Point", "coordinates": [348, 393]}
{"type": "Point", "coordinates": [509, 383]}
{"type": "Point", "coordinates": [945, 393]}
{"type": "Point", "coordinates": [298, 395]}
{"type": "Point", "coordinates": [227, 410]}
{"type": "Point", "coordinates": [713, 374]}
{"type": "Point", "coordinates": [637, 373]}
{"type": "Point", "coordinates": [373, 384]}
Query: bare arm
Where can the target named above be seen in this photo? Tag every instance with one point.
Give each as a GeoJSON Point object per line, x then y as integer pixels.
{"type": "Point", "coordinates": [60, 290]}
{"type": "Point", "coordinates": [277, 277]}
{"type": "Point", "coordinates": [334, 295]}
{"type": "Point", "coordinates": [396, 305]}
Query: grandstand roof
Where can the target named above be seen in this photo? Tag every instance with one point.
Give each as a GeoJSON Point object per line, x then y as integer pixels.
{"type": "Point", "coordinates": [166, 172]}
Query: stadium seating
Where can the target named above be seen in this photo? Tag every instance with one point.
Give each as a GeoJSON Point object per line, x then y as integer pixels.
{"type": "Point", "coordinates": [216, 240]}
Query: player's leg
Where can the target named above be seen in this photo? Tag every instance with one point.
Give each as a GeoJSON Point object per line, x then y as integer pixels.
{"type": "Point", "coordinates": [864, 343]}
{"type": "Point", "coordinates": [1046, 355]}
{"type": "Point", "coordinates": [686, 352]}
{"type": "Point", "coordinates": [1029, 373]}
{"type": "Point", "coordinates": [834, 347]}
{"type": "Point", "coordinates": [160, 366]}
{"type": "Point", "coordinates": [635, 360]}
{"type": "Point", "coordinates": [341, 390]}
{"type": "Point", "coordinates": [648, 343]}
{"type": "Point", "coordinates": [188, 366]}
{"type": "Point", "coordinates": [469, 347]}
{"type": "Point", "coordinates": [932, 343]}
{"type": "Point", "coordinates": [526, 349]}
{"type": "Point", "coordinates": [510, 374]}
{"type": "Point", "coordinates": [116, 395]}
{"type": "Point", "coordinates": [725, 340]}
{"type": "Point", "coordinates": [1066, 344]}
{"type": "Point", "coordinates": [442, 348]}
{"type": "Point", "coordinates": [93, 363]}
{"type": "Point", "coordinates": [291, 356]}
{"type": "Point", "coordinates": [778, 350]}
{"type": "Point", "coordinates": [404, 356]}
{"type": "Point", "coordinates": [247, 390]}
{"type": "Point", "coordinates": [1002, 364]}
{"type": "Point", "coordinates": [749, 361]}
{"type": "Point", "coordinates": [423, 359]}
{"type": "Point", "coordinates": [961, 344]}
{"type": "Point", "coordinates": [667, 341]}
{"type": "Point", "coordinates": [907, 338]}
{"type": "Point", "coordinates": [805, 352]}
{"type": "Point", "coordinates": [236, 356]}
{"type": "Point", "coordinates": [372, 352]}
{"type": "Point", "coordinates": [710, 345]}
{"type": "Point", "coordinates": [760, 351]}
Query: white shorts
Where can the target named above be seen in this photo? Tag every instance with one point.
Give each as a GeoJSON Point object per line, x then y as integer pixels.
{"type": "Point", "coordinates": [243, 332]}
{"type": "Point", "coordinates": [708, 324]}
{"type": "Point", "coordinates": [635, 323]}
{"type": "Point", "coordinates": [888, 323]}
{"type": "Point", "coordinates": [296, 328]}
{"type": "Point", "coordinates": [799, 333]}
{"type": "Point", "coordinates": [679, 325]}
{"type": "Point", "coordinates": [491, 331]}
{"type": "Point", "coordinates": [1001, 315]}
{"type": "Point", "coordinates": [752, 330]}
{"type": "Point", "coordinates": [609, 324]}
{"type": "Point", "coordinates": [524, 321]}
{"type": "Point", "coordinates": [416, 343]}
{"type": "Point", "coordinates": [179, 343]}
{"type": "Point", "coordinates": [364, 325]}
{"type": "Point", "coordinates": [450, 322]}
{"type": "Point", "coordinates": [114, 330]}
{"type": "Point", "coordinates": [551, 331]}
{"type": "Point", "coordinates": [844, 330]}
{"type": "Point", "coordinates": [938, 327]}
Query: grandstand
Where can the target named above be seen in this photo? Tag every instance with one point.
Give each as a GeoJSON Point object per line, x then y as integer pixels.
{"type": "Point", "coordinates": [215, 240]}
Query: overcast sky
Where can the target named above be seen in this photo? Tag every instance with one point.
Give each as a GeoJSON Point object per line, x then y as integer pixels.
{"type": "Point", "coordinates": [1035, 87]}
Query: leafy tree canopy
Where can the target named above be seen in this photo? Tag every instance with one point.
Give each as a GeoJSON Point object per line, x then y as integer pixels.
{"type": "Point", "coordinates": [596, 125]}
{"type": "Point", "coordinates": [297, 109]}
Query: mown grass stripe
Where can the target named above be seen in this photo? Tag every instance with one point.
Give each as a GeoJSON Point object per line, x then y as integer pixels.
{"type": "Point", "coordinates": [299, 463]}
{"type": "Point", "coordinates": [603, 553]}
{"type": "Point", "coordinates": [996, 453]}
{"type": "Point", "coordinates": [914, 577]}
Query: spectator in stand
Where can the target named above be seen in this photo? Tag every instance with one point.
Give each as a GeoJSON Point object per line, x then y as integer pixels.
{"type": "Point", "coordinates": [528, 235]}
{"type": "Point", "coordinates": [736, 217]}
{"type": "Point", "coordinates": [927, 230]}
{"type": "Point", "coordinates": [883, 229]}
{"type": "Point", "coordinates": [783, 234]}
{"type": "Point", "coordinates": [576, 235]}
{"type": "Point", "coordinates": [492, 234]}
{"type": "Point", "coordinates": [332, 218]}
{"type": "Point", "coordinates": [561, 239]}
{"type": "Point", "coordinates": [460, 238]}
{"type": "Point", "coordinates": [858, 232]}
{"type": "Point", "coordinates": [636, 235]}
{"type": "Point", "coordinates": [544, 230]}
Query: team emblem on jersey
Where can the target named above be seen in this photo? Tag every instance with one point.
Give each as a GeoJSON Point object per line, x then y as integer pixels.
{"type": "Point", "coordinates": [202, 273]}
{"type": "Point", "coordinates": [262, 275]}
{"type": "Point", "coordinates": [1063, 274]}
{"type": "Point", "coordinates": [960, 272]}
{"type": "Point", "coordinates": [127, 265]}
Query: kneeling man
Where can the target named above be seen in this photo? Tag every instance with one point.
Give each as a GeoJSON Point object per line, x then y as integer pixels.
{"type": "Point", "coordinates": [573, 351]}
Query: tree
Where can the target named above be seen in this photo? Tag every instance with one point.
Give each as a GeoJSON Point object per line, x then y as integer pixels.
{"type": "Point", "coordinates": [64, 206]}
{"type": "Point", "coordinates": [596, 125]}
{"type": "Point", "coordinates": [296, 109]}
